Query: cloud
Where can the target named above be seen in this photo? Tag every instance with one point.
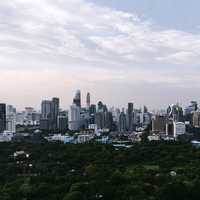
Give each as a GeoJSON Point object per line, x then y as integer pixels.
{"type": "Point", "coordinates": [92, 44]}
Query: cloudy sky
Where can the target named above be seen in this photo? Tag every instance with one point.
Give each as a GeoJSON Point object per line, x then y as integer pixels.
{"type": "Point", "coordinates": [143, 51]}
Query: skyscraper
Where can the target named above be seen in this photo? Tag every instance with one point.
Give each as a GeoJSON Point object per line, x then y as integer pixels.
{"type": "Point", "coordinates": [46, 109]}
{"type": "Point", "coordinates": [122, 122]}
{"type": "Point", "coordinates": [45, 120]}
{"type": "Point", "coordinates": [2, 117]}
{"type": "Point", "coordinates": [11, 119]}
{"type": "Point", "coordinates": [49, 115]}
{"type": "Point", "coordinates": [77, 98]}
{"type": "Point", "coordinates": [88, 100]}
{"type": "Point", "coordinates": [74, 117]}
{"type": "Point", "coordinates": [130, 116]}
{"type": "Point", "coordinates": [55, 112]}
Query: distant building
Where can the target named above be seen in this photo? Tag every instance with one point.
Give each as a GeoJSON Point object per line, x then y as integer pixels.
{"type": "Point", "coordinates": [179, 129]}
{"type": "Point", "coordinates": [130, 116]}
{"type": "Point", "coordinates": [11, 119]}
{"type": "Point", "coordinates": [55, 107]}
{"type": "Point", "coordinates": [108, 120]}
{"type": "Point", "coordinates": [49, 114]}
{"type": "Point", "coordinates": [74, 118]}
{"type": "Point", "coordinates": [62, 123]}
{"type": "Point", "coordinates": [122, 122]}
{"type": "Point", "coordinates": [2, 117]}
{"type": "Point", "coordinates": [84, 138]}
{"type": "Point", "coordinates": [196, 119]}
{"type": "Point", "coordinates": [175, 113]}
{"type": "Point", "coordinates": [159, 124]}
{"type": "Point", "coordinates": [88, 100]}
{"type": "Point", "coordinates": [92, 109]}
{"type": "Point", "coordinates": [77, 98]}
{"type": "Point", "coordinates": [99, 120]}
{"type": "Point", "coordinates": [46, 109]}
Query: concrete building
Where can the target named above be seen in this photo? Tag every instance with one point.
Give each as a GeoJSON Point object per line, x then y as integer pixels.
{"type": "Point", "coordinates": [122, 122]}
{"type": "Point", "coordinates": [159, 124]}
{"type": "Point", "coordinates": [196, 119]}
{"type": "Point", "coordinates": [74, 117]}
{"type": "Point", "coordinates": [2, 117]}
{"type": "Point", "coordinates": [62, 122]}
{"type": "Point", "coordinates": [88, 100]}
{"type": "Point", "coordinates": [55, 107]}
{"type": "Point", "coordinates": [11, 119]}
{"type": "Point", "coordinates": [77, 98]}
{"type": "Point", "coordinates": [130, 117]}
{"type": "Point", "coordinates": [179, 129]}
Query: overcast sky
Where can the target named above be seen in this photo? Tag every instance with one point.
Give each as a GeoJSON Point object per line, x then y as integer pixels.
{"type": "Point", "coordinates": [146, 52]}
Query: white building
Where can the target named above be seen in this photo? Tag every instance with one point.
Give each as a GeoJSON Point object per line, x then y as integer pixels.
{"type": "Point", "coordinates": [74, 118]}
{"type": "Point", "coordinates": [84, 138]}
{"type": "Point", "coordinates": [179, 129]}
{"type": "Point", "coordinates": [6, 136]}
{"type": "Point", "coordinates": [95, 128]}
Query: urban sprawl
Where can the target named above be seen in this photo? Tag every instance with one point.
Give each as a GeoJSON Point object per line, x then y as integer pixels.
{"type": "Point", "coordinates": [120, 127]}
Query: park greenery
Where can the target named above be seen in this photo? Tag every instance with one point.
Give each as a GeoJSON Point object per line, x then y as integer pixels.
{"type": "Point", "coordinates": [53, 171]}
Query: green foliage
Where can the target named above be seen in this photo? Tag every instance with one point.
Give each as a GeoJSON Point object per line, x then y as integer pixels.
{"type": "Point", "coordinates": [148, 171]}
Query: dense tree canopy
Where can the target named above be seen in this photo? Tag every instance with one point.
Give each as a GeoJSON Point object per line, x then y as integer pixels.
{"type": "Point", "coordinates": [151, 171]}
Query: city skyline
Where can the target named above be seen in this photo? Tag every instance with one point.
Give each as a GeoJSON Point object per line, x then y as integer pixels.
{"type": "Point", "coordinates": [119, 52]}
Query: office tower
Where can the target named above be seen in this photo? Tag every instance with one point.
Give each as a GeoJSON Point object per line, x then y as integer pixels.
{"type": "Point", "coordinates": [191, 108]}
{"type": "Point", "coordinates": [108, 120]}
{"type": "Point", "coordinates": [74, 117]}
{"type": "Point", "coordinates": [159, 124]}
{"type": "Point", "coordinates": [54, 112]}
{"type": "Point", "coordinates": [11, 119]}
{"type": "Point", "coordinates": [77, 98]}
{"type": "Point", "coordinates": [145, 109]}
{"type": "Point", "coordinates": [2, 117]}
{"type": "Point", "coordinates": [92, 109]}
{"type": "Point", "coordinates": [130, 116]}
{"type": "Point", "coordinates": [100, 107]}
{"type": "Point", "coordinates": [175, 113]}
{"type": "Point", "coordinates": [99, 120]}
{"type": "Point", "coordinates": [62, 122]}
{"type": "Point", "coordinates": [88, 100]}
{"type": "Point", "coordinates": [122, 122]}
{"type": "Point", "coordinates": [46, 115]}
{"type": "Point", "coordinates": [196, 119]}
{"type": "Point", "coordinates": [28, 116]}
{"type": "Point", "coordinates": [46, 109]}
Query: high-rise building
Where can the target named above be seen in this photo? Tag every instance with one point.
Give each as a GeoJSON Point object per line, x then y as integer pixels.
{"type": "Point", "coordinates": [130, 116]}
{"type": "Point", "coordinates": [100, 107]}
{"type": "Point", "coordinates": [175, 113]}
{"type": "Point", "coordinates": [62, 123]}
{"type": "Point", "coordinates": [74, 117]}
{"type": "Point", "coordinates": [77, 98]}
{"type": "Point", "coordinates": [88, 100]}
{"type": "Point", "coordinates": [196, 119]}
{"type": "Point", "coordinates": [99, 120]}
{"type": "Point", "coordinates": [2, 117]}
{"type": "Point", "coordinates": [49, 114]}
{"type": "Point", "coordinates": [92, 109]}
{"type": "Point", "coordinates": [55, 112]}
{"type": "Point", "coordinates": [159, 124]}
{"type": "Point", "coordinates": [108, 120]}
{"type": "Point", "coordinates": [46, 109]}
{"type": "Point", "coordinates": [122, 122]}
{"type": "Point", "coordinates": [11, 119]}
